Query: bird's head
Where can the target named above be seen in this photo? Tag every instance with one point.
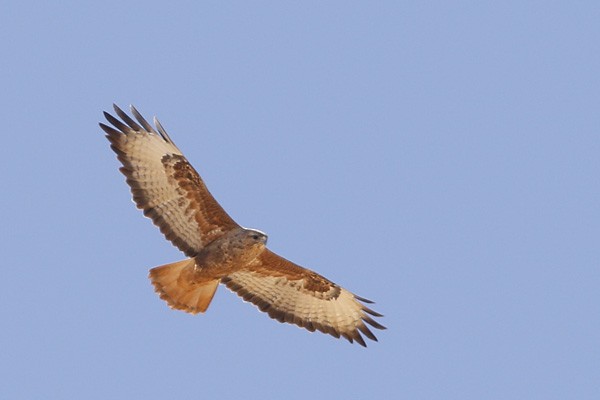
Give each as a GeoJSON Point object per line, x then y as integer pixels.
{"type": "Point", "coordinates": [255, 236]}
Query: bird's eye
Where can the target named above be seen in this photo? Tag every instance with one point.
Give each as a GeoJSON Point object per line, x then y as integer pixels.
{"type": "Point", "coordinates": [255, 237]}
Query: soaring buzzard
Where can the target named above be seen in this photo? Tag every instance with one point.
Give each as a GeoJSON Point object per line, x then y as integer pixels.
{"type": "Point", "coordinates": [171, 193]}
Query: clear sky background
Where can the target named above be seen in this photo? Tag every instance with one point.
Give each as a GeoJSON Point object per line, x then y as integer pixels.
{"type": "Point", "coordinates": [440, 158]}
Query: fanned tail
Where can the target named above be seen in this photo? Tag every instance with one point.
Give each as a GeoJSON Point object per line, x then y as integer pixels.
{"type": "Point", "coordinates": [177, 284]}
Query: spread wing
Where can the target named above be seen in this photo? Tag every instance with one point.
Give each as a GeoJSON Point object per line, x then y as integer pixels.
{"type": "Point", "coordinates": [290, 293]}
{"type": "Point", "coordinates": [164, 184]}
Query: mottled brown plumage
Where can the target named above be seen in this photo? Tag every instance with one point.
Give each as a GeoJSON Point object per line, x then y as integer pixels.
{"type": "Point", "coordinates": [173, 195]}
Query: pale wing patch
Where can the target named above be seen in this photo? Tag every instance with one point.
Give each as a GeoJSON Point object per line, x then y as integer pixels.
{"type": "Point", "coordinates": [334, 311]}
{"type": "Point", "coordinates": [165, 185]}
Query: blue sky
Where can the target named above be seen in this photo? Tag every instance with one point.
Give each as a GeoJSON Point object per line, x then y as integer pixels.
{"type": "Point", "coordinates": [440, 158]}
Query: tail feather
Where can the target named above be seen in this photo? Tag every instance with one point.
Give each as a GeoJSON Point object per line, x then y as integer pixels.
{"type": "Point", "coordinates": [177, 284]}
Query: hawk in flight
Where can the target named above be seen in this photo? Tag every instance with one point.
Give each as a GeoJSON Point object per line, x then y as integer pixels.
{"type": "Point", "coordinates": [172, 194]}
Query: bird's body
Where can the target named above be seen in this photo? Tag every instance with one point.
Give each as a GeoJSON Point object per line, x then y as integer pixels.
{"type": "Point", "coordinates": [224, 255]}
{"type": "Point", "coordinates": [170, 192]}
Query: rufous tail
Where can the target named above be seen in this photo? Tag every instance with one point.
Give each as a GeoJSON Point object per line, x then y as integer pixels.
{"type": "Point", "coordinates": [177, 284]}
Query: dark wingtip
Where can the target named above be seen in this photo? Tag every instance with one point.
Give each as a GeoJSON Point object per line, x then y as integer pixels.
{"type": "Point", "coordinates": [364, 300]}
{"type": "Point", "coordinates": [118, 124]}
{"type": "Point", "coordinates": [117, 109]}
{"type": "Point", "coordinates": [367, 332]}
{"type": "Point", "coordinates": [130, 122]}
{"type": "Point", "coordinates": [110, 131]}
{"type": "Point", "coordinates": [360, 340]}
{"type": "Point", "coordinates": [373, 313]}
{"type": "Point", "coordinates": [141, 119]}
{"type": "Point", "coordinates": [162, 130]}
{"type": "Point", "coordinates": [373, 323]}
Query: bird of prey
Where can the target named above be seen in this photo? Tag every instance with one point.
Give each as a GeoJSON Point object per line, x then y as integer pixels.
{"type": "Point", "coordinates": [171, 193]}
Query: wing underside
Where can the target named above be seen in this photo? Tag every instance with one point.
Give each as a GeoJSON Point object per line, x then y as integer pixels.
{"type": "Point", "coordinates": [290, 293]}
{"type": "Point", "coordinates": [164, 184]}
